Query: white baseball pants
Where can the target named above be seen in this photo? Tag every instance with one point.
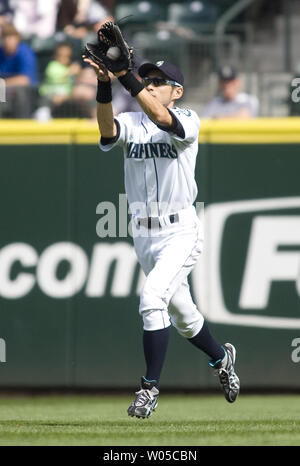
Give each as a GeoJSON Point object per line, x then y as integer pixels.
{"type": "Point", "coordinates": [167, 256]}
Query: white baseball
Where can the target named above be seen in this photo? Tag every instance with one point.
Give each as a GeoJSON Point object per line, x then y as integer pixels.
{"type": "Point", "coordinates": [113, 53]}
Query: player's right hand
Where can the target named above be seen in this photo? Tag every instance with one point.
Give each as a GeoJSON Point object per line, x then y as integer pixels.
{"type": "Point", "coordinates": [101, 72]}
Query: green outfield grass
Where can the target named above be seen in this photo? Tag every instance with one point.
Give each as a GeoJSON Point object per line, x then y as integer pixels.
{"type": "Point", "coordinates": [178, 420]}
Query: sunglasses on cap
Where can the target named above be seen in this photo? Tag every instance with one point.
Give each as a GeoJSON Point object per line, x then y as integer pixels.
{"type": "Point", "coordinates": [160, 82]}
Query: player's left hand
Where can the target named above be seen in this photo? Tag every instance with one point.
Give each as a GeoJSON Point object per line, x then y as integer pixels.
{"type": "Point", "coordinates": [100, 70]}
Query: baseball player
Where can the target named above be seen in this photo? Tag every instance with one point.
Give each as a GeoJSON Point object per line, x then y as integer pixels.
{"type": "Point", "coordinates": [160, 145]}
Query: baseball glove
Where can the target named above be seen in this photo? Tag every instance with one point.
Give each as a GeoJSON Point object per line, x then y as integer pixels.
{"type": "Point", "coordinates": [111, 49]}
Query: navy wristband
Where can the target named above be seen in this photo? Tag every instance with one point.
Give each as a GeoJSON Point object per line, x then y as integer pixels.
{"type": "Point", "coordinates": [130, 83]}
{"type": "Point", "coordinates": [104, 95]}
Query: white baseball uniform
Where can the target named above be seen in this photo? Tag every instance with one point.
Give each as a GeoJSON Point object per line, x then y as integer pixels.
{"type": "Point", "coordinates": [160, 185]}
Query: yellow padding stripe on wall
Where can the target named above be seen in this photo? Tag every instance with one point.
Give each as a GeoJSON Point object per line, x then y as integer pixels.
{"type": "Point", "coordinates": [74, 131]}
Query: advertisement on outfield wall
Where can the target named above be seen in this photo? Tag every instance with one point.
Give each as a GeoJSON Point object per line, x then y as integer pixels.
{"type": "Point", "coordinates": [264, 271]}
{"type": "Point", "coordinates": [69, 297]}
{"type": "Point", "coordinates": [267, 258]}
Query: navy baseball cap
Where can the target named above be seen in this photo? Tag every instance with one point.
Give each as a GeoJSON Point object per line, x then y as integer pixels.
{"type": "Point", "coordinates": [227, 73]}
{"type": "Point", "coordinates": [170, 70]}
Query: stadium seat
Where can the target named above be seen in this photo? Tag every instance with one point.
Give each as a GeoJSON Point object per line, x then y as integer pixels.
{"type": "Point", "coordinates": [198, 15]}
{"type": "Point", "coordinates": [223, 5]}
{"type": "Point", "coordinates": [140, 12]}
{"type": "Point", "coordinates": [158, 45]}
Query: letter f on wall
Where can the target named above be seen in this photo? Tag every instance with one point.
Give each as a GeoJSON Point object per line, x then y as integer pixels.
{"type": "Point", "coordinates": [265, 262]}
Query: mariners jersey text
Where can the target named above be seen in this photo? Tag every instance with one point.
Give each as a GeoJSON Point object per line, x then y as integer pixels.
{"type": "Point", "coordinates": [159, 164]}
{"type": "Point", "coordinates": [150, 150]}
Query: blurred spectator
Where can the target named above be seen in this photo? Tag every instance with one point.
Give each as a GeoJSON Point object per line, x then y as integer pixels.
{"type": "Point", "coordinates": [84, 94]}
{"type": "Point", "coordinates": [6, 12]}
{"type": "Point", "coordinates": [17, 59]}
{"type": "Point", "coordinates": [97, 14]}
{"type": "Point", "coordinates": [109, 4]}
{"type": "Point", "coordinates": [18, 67]}
{"type": "Point", "coordinates": [231, 103]}
{"type": "Point", "coordinates": [36, 17]}
{"type": "Point", "coordinates": [59, 79]}
{"type": "Point", "coordinates": [77, 17]}
{"type": "Point", "coordinates": [59, 74]}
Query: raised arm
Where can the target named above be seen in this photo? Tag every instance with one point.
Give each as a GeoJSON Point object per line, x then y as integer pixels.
{"type": "Point", "coordinates": [105, 115]}
{"type": "Point", "coordinates": [113, 52]}
{"type": "Point", "coordinates": [154, 109]}
{"type": "Point", "coordinates": [149, 104]}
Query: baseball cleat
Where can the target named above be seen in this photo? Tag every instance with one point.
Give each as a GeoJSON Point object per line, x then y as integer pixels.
{"type": "Point", "coordinates": [146, 400]}
{"type": "Point", "coordinates": [229, 381]}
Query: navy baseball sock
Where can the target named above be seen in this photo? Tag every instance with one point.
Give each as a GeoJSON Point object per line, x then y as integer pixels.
{"type": "Point", "coordinates": [155, 347]}
{"type": "Point", "coordinates": [204, 341]}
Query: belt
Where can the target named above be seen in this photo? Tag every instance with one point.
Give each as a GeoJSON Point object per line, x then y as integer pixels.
{"type": "Point", "coordinates": [154, 222]}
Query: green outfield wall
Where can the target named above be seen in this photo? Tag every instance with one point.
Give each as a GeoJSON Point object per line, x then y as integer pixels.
{"type": "Point", "coordinates": [69, 299]}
